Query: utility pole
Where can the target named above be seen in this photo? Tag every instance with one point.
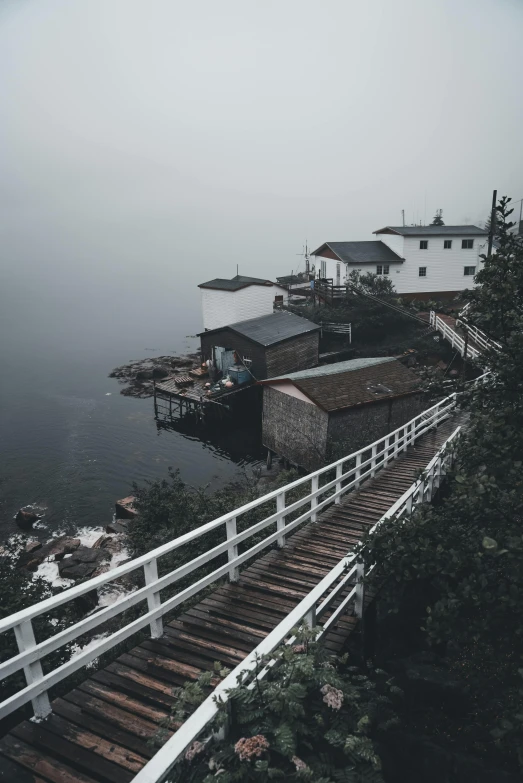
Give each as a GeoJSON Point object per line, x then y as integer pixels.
{"type": "Point", "coordinates": [492, 222]}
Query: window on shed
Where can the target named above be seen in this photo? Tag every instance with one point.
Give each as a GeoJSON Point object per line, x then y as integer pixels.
{"type": "Point", "coordinates": [447, 244]}
{"type": "Point", "coordinates": [246, 361]}
{"type": "Point", "coordinates": [469, 270]}
{"type": "Point", "coordinates": [423, 244]}
{"type": "Point", "coordinates": [467, 244]}
{"type": "Point", "coordinates": [422, 271]}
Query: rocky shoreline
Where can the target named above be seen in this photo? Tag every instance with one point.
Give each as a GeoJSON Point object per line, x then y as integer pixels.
{"type": "Point", "coordinates": [138, 375]}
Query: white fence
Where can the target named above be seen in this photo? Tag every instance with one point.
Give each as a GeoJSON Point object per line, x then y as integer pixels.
{"type": "Point", "coordinates": [340, 477]}
{"type": "Point", "coordinates": [310, 610]}
{"type": "Point", "coordinates": [457, 341]}
{"type": "Point", "coordinates": [450, 334]}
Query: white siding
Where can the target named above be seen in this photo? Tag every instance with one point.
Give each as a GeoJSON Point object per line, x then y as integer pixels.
{"type": "Point", "coordinates": [330, 268]}
{"type": "Point", "coordinates": [393, 241]}
{"type": "Point", "coordinates": [220, 308]}
{"type": "Point", "coordinates": [445, 268]}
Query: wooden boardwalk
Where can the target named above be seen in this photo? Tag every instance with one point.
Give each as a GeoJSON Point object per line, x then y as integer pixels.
{"type": "Point", "coordinates": [98, 732]}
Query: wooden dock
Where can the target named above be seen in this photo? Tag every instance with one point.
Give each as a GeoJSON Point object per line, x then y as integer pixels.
{"type": "Point", "coordinates": [98, 732]}
{"type": "Point", "coordinates": [173, 399]}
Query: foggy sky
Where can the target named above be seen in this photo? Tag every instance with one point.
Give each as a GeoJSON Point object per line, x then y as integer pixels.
{"type": "Point", "coordinates": [188, 137]}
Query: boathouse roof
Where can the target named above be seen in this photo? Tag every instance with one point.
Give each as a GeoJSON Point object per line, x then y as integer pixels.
{"type": "Point", "coordinates": [335, 387]}
{"type": "Point", "coordinates": [270, 329]}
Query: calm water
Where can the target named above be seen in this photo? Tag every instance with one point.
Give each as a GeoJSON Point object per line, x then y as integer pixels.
{"type": "Point", "coordinates": [69, 440]}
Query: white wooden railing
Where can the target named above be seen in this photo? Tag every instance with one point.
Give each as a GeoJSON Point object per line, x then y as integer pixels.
{"type": "Point", "coordinates": [340, 477]}
{"type": "Point", "coordinates": [309, 611]}
{"type": "Point", "coordinates": [480, 339]}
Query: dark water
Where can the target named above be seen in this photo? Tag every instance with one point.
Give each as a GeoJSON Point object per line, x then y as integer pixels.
{"type": "Point", "coordinates": [69, 440]}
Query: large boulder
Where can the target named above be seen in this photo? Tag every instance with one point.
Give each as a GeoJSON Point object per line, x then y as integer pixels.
{"type": "Point", "coordinates": [82, 563]}
{"type": "Point", "coordinates": [55, 549]}
{"type": "Point", "coordinates": [125, 508]}
{"type": "Point", "coordinates": [160, 372]}
{"type": "Point", "coordinates": [144, 375]}
{"type": "Point", "coordinates": [26, 517]}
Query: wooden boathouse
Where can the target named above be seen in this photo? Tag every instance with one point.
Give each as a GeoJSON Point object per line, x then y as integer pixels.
{"type": "Point", "coordinates": [268, 345]}
{"type": "Point", "coordinates": [309, 417]}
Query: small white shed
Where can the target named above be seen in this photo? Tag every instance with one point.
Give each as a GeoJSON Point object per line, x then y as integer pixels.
{"type": "Point", "coordinates": [239, 299]}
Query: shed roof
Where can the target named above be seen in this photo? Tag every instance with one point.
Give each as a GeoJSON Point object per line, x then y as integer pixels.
{"type": "Point", "coordinates": [270, 329]}
{"type": "Point", "coordinates": [371, 252]}
{"type": "Point", "coordinates": [415, 231]}
{"type": "Point", "coordinates": [235, 283]}
{"type": "Point", "coordinates": [336, 387]}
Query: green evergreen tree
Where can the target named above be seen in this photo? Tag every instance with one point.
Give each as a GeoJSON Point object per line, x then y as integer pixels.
{"type": "Point", "coordinates": [464, 556]}
{"type": "Point", "coordinates": [438, 218]}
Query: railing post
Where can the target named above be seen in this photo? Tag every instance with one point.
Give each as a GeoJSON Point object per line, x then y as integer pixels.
{"type": "Point", "coordinates": [280, 523]}
{"type": "Point", "coordinates": [25, 640]}
{"type": "Point", "coordinates": [405, 432]}
{"type": "Point", "coordinates": [315, 483]}
{"type": "Point", "coordinates": [310, 618]}
{"type": "Point", "coordinates": [358, 469]}
{"type": "Point", "coordinates": [437, 473]}
{"type": "Point", "coordinates": [232, 552]}
{"type": "Point", "coordinates": [386, 448]}
{"type": "Point", "coordinates": [153, 600]}
{"type": "Point", "coordinates": [408, 505]}
{"type": "Point", "coordinates": [360, 591]}
{"type": "Point", "coordinates": [430, 484]}
{"type": "Point", "coordinates": [339, 474]}
{"type": "Point", "coordinates": [373, 463]}
{"type": "Point", "coordinates": [421, 492]}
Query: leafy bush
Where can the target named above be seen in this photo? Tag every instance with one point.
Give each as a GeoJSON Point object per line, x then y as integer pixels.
{"type": "Point", "coordinates": [313, 717]}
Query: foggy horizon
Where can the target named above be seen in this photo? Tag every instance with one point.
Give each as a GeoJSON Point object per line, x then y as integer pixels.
{"type": "Point", "coordinates": [198, 137]}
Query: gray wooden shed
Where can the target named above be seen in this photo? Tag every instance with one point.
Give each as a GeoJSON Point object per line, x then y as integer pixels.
{"type": "Point", "coordinates": [315, 416]}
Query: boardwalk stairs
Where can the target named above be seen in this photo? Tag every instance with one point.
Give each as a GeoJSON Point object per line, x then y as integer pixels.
{"type": "Point", "coordinates": [303, 570]}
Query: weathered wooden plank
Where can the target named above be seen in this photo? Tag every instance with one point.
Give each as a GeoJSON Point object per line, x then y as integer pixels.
{"type": "Point", "coordinates": [123, 701]}
{"type": "Point", "coordinates": [101, 728]}
{"type": "Point", "coordinates": [131, 687]}
{"type": "Point", "coordinates": [111, 751]}
{"type": "Point", "coordinates": [134, 724]}
{"type": "Point", "coordinates": [78, 757]}
{"type": "Point", "coordinates": [41, 763]}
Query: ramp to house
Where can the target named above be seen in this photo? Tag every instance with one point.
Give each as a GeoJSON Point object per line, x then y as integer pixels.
{"type": "Point", "coordinates": [99, 732]}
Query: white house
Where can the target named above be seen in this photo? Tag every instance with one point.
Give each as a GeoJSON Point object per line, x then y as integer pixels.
{"type": "Point", "coordinates": [422, 261]}
{"type": "Point", "coordinates": [229, 301]}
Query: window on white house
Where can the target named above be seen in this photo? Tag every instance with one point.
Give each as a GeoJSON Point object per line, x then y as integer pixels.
{"type": "Point", "coordinates": [469, 270]}
{"type": "Point", "coordinates": [323, 269]}
{"type": "Point", "coordinates": [447, 244]}
{"type": "Point", "coordinates": [467, 244]}
{"type": "Point", "coordinates": [423, 244]}
{"type": "Point", "coordinates": [383, 269]}
{"type": "Point", "coordinates": [422, 271]}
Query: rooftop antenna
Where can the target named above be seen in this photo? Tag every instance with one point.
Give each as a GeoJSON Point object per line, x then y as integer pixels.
{"type": "Point", "coordinates": [306, 255]}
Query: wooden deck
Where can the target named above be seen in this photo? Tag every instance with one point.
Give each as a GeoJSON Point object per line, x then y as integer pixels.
{"type": "Point", "coordinates": [98, 732]}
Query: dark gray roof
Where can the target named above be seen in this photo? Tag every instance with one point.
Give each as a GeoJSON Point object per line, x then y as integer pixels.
{"type": "Point", "coordinates": [361, 252]}
{"type": "Point", "coordinates": [271, 329]}
{"type": "Point", "coordinates": [419, 231]}
{"type": "Point", "coordinates": [237, 282]}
